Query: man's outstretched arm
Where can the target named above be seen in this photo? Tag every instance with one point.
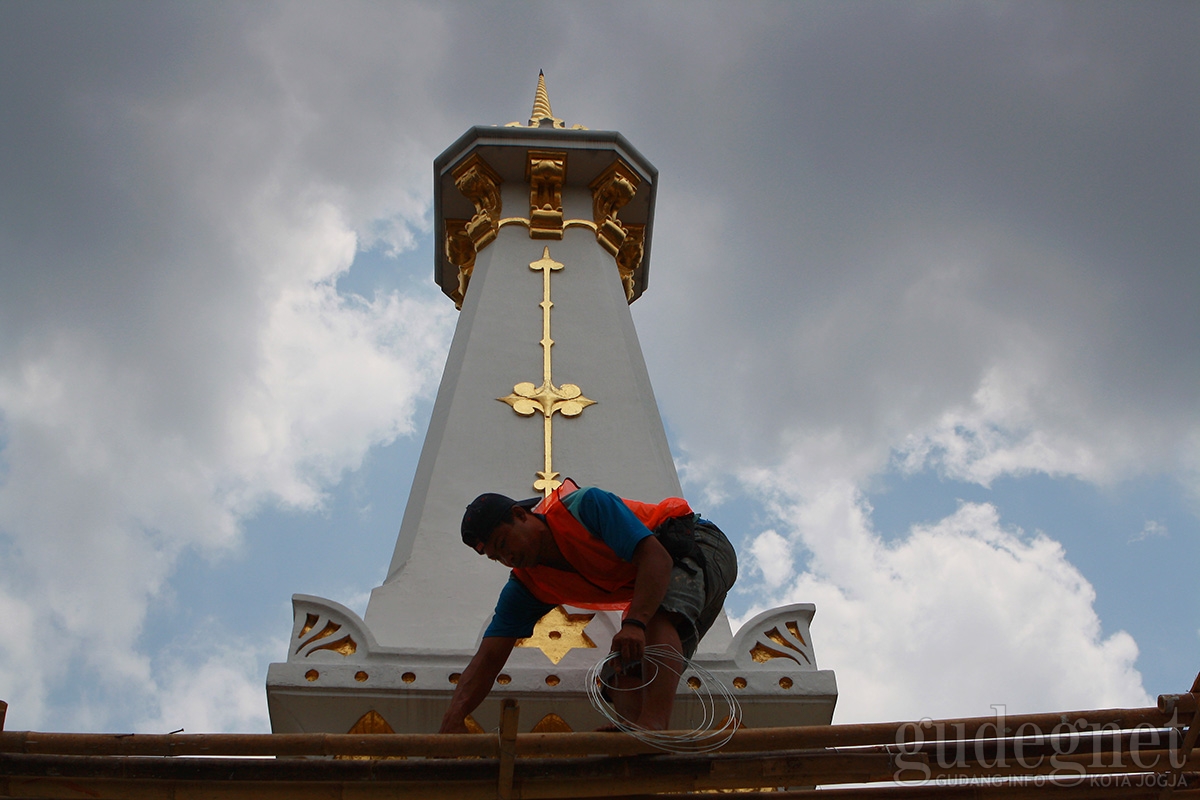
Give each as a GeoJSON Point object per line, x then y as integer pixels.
{"type": "Point", "coordinates": [650, 586]}
{"type": "Point", "coordinates": [476, 681]}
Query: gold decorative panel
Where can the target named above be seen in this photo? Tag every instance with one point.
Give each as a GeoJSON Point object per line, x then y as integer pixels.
{"type": "Point", "coordinates": [527, 399]}
{"type": "Point", "coordinates": [545, 171]}
{"type": "Point", "coordinates": [558, 633]}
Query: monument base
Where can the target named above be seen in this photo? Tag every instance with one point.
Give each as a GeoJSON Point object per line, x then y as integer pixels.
{"type": "Point", "coordinates": [338, 679]}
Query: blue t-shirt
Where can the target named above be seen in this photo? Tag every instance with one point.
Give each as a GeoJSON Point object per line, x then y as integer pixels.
{"type": "Point", "coordinates": [606, 516]}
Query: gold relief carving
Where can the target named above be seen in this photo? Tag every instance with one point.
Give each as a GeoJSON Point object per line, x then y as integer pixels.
{"type": "Point", "coordinates": [466, 237]}
{"type": "Point", "coordinates": [472, 725]}
{"type": "Point", "coordinates": [557, 633]}
{"type": "Point", "coordinates": [763, 652]}
{"type": "Point", "coordinates": [545, 171]}
{"type": "Point", "coordinates": [481, 185]}
{"type": "Point", "coordinates": [552, 723]}
{"type": "Point", "coordinates": [615, 187]}
{"type": "Point", "coordinates": [629, 257]}
{"type": "Point", "coordinates": [460, 251]}
{"type": "Point", "coordinates": [527, 399]}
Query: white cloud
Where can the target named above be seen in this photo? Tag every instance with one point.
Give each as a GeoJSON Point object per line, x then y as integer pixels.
{"type": "Point", "coordinates": [100, 499]}
{"type": "Point", "coordinates": [950, 618]}
{"type": "Point", "coordinates": [120, 453]}
{"type": "Point", "coordinates": [175, 353]}
{"type": "Point", "coordinates": [1151, 528]}
{"type": "Point", "coordinates": [213, 685]}
{"type": "Point", "coordinates": [772, 558]}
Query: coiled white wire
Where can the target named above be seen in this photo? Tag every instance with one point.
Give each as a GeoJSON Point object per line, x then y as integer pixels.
{"type": "Point", "coordinates": [712, 695]}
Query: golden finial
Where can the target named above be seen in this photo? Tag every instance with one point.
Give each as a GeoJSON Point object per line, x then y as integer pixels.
{"type": "Point", "coordinates": [541, 105]}
{"type": "Point", "coordinates": [542, 115]}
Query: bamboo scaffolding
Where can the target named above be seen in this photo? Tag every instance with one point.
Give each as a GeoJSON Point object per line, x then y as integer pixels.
{"type": "Point", "coordinates": [546, 744]}
{"type": "Point", "coordinates": [1126, 753]}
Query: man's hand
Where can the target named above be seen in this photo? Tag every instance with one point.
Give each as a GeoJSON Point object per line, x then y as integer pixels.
{"type": "Point", "coordinates": [476, 681]}
{"type": "Point", "coordinates": [650, 586]}
{"type": "Point", "coordinates": [630, 644]}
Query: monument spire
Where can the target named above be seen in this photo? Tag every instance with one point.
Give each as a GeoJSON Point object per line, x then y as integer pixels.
{"type": "Point", "coordinates": [517, 209]}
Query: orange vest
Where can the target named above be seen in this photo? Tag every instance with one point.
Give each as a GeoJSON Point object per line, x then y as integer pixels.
{"type": "Point", "coordinates": [603, 581]}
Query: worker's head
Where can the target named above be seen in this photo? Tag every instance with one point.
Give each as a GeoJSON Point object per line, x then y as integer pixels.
{"type": "Point", "coordinates": [503, 529]}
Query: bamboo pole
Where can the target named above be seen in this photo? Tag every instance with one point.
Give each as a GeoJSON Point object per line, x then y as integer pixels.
{"type": "Point", "coordinates": [857, 735]}
{"type": "Point", "coordinates": [547, 779]}
{"type": "Point", "coordinates": [250, 744]}
{"type": "Point", "coordinates": [559, 744]}
{"type": "Point", "coordinates": [1010, 791]}
{"type": "Point", "coordinates": [508, 748]}
{"type": "Point", "coordinates": [534, 778]}
{"type": "Point", "coordinates": [1183, 703]}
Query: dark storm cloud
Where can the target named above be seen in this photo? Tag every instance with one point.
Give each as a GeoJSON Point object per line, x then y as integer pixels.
{"type": "Point", "coordinates": [1033, 169]}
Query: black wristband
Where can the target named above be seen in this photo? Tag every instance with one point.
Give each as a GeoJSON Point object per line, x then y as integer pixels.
{"type": "Point", "coordinates": [635, 622]}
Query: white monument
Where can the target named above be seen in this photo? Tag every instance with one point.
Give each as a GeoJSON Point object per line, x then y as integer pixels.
{"type": "Point", "coordinates": [545, 237]}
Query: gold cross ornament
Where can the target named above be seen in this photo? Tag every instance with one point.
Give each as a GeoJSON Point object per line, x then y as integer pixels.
{"type": "Point", "coordinates": [527, 399]}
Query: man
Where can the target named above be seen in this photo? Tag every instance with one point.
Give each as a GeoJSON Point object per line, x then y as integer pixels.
{"type": "Point", "coordinates": [668, 569]}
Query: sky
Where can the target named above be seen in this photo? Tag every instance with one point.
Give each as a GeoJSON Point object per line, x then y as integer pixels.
{"type": "Point", "coordinates": [921, 323]}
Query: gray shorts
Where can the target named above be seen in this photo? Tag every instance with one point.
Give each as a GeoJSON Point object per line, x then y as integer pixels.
{"type": "Point", "coordinates": [699, 595]}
